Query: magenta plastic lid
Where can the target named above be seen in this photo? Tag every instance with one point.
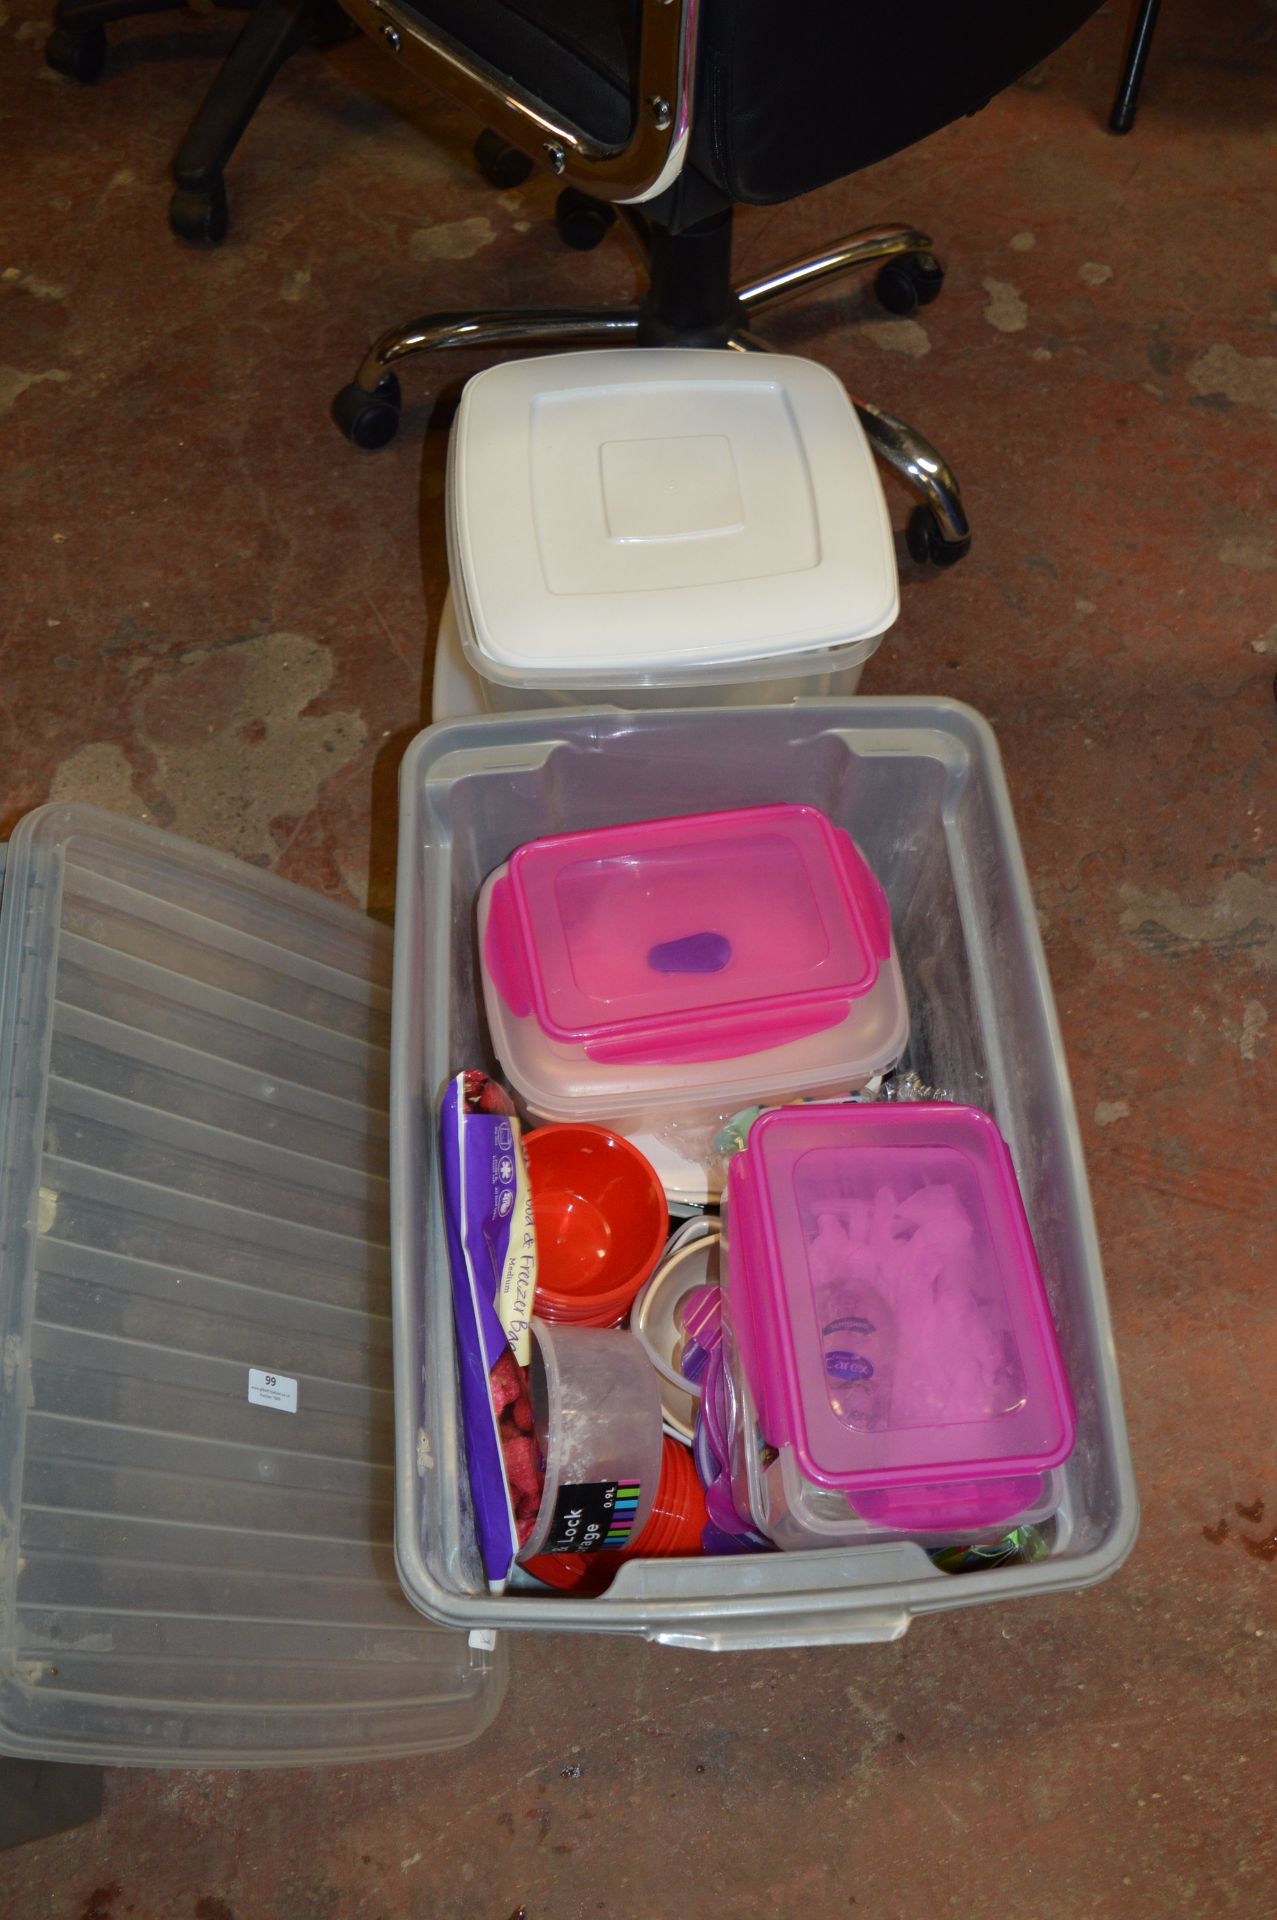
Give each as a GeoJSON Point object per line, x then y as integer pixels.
{"type": "Point", "coordinates": [888, 1301]}
{"type": "Point", "coordinates": [951, 1506]}
{"type": "Point", "coordinates": [688, 939]}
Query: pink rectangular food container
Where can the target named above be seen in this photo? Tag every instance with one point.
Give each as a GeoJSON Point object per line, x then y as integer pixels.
{"type": "Point", "coordinates": [658, 977]}
{"type": "Point", "coordinates": [887, 1303]}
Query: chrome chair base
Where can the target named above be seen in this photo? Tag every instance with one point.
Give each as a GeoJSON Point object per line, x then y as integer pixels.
{"type": "Point", "coordinates": [367, 411]}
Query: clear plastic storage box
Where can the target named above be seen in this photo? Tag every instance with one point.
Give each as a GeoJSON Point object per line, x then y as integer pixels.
{"type": "Point", "coordinates": [918, 785]}
{"type": "Point", "coordinates": [770, 1489]}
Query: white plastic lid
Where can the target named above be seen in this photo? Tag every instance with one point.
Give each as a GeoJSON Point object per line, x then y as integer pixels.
{"type": "Point", "coordinates": [680, 514]}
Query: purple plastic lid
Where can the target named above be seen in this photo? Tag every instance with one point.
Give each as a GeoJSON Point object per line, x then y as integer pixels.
{"type": "Point", "coordinates": [701, 1318]}
{"type": "Point", "coordinates": [887, 1298]}
{"type": "Point", "coordinates": [716, 1409]}
{"type": "Point", "coordinates": [695, 938]}
{"type": "Point", "coordinates": [728, 1530]}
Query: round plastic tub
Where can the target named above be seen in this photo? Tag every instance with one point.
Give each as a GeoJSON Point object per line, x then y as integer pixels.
{"type": "Point", "coordinates": [597, 1406]}
{"type": "Point", "coordinates": [658, 1317]}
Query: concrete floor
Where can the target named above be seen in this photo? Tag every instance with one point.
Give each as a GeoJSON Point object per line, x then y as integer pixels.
{"type": "Point", "coordinates": [216, 615]}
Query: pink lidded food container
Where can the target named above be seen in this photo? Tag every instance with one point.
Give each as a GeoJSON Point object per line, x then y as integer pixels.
{"type": "Point", "coordinates": [657, 978]}
{"type": "Point", "coordinates": [889, 1312]}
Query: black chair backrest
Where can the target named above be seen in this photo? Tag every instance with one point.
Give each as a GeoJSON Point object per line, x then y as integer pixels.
{"type": "Point", "coordinates": [789, 94]}
{"type": "Point", "coordinates": [792, 94]}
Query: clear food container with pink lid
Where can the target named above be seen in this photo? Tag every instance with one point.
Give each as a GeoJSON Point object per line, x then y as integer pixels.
{"type": "Point", "coordinates": [658, 977]}
{"type": "Point", "coordinates": [889, 1317]}
{"type": "Point", "coordinates": [772, 1492]}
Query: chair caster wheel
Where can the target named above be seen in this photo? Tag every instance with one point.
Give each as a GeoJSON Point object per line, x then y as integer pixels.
{"type": "Point", "coordinates": [928, 546]}
{"type": "Point", "coordinates": [910, 281]}
{"type": "Point", "coordinates": [77, 52]}
{"type": "Point", "coordinates": [500, 164]}
{"type": "Point", "coordinates": [582, 222]}
{"type": "Point", "coordinates": [369, 420]}
{"type": "Point", "coordinates": [200, 214]}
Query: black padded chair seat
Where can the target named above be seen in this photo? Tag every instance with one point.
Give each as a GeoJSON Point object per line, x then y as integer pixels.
{"type": "Point", "coordinates": [577, 57]}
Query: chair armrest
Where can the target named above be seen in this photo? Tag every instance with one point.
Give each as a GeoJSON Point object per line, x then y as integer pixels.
{"type": "Point", "coordinates": [644, 165]}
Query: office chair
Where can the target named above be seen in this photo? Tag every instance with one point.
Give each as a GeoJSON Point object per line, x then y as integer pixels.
{"type": "Point", "coordinates": [671, 111]}
{"type": "Point", "coordinates": [274, 30]}
{"type": "Point", "coordinates": [76, 46]}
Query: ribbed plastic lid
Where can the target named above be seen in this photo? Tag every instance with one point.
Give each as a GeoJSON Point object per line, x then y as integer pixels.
{"type": "Point", "coordinates": [196, 1414]}
{"type": "Point", "coordinates": [636, 518]}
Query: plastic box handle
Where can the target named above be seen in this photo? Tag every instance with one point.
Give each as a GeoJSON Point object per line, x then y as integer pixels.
{"type": "Point", "coordinates": [503, 951]}
{"type": "Point", "coordinates": [864, 885]}
{"type": "Point", "coordinates": [833, 1630]}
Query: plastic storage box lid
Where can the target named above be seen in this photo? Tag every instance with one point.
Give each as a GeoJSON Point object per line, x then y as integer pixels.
{"type": "Point", "coordinates": [640, 518]}
{"type": "Point", "coordinates": [691, 939]}
{"type": "Point", "coordinates": [197, 1482]}
{"type": "Point", "coordinates": [885, 1290]}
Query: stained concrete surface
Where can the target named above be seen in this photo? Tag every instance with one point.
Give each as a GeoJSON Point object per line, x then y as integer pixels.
{"type": "Point", "coordinates": [216, 615]}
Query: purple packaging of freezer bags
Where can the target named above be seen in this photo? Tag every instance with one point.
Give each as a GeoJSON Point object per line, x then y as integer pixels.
{"type": "Point", "coordinates": [492, 1254]}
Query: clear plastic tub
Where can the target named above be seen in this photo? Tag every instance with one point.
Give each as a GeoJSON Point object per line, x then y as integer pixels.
{"type": "Point", "coordinates": [919, 785]}
{"type": "Point", "coordinates": [459, 690]}
{"type": "Point", "coordinates": [656, 978]}
{"type": "Point", "coordinates": [597, 1405]}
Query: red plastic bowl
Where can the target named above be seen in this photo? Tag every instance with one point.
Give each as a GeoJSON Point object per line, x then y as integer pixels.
{"type": "Point", "coordinates": [601, 1220]}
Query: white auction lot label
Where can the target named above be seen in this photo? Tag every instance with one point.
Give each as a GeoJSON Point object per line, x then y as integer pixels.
{"type": "Point", "coordinates": [272, 1390]}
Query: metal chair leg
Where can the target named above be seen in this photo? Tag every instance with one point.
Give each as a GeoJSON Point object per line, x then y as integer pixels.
{"type": "Point", "coordinates": [846, 256]}
{"type": "Point", "coordinates": [367, 411]}
{"type": "Point", "coordinates": [938, 531]}
{"type": "Point", "coordinates": [942, 534]}
{"type": "Point", "coordinates": [1122, 118]}
{"type": "Point", "coordinates": [536, 327]}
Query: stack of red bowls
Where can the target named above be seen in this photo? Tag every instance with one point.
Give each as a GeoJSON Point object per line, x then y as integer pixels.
{"type": "Point", "coordinates": [673, 1531]}
{"type": "Point", "coordinates": [601, 1220]}
{"type": "Point", "coordinates": [678, 1517]}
